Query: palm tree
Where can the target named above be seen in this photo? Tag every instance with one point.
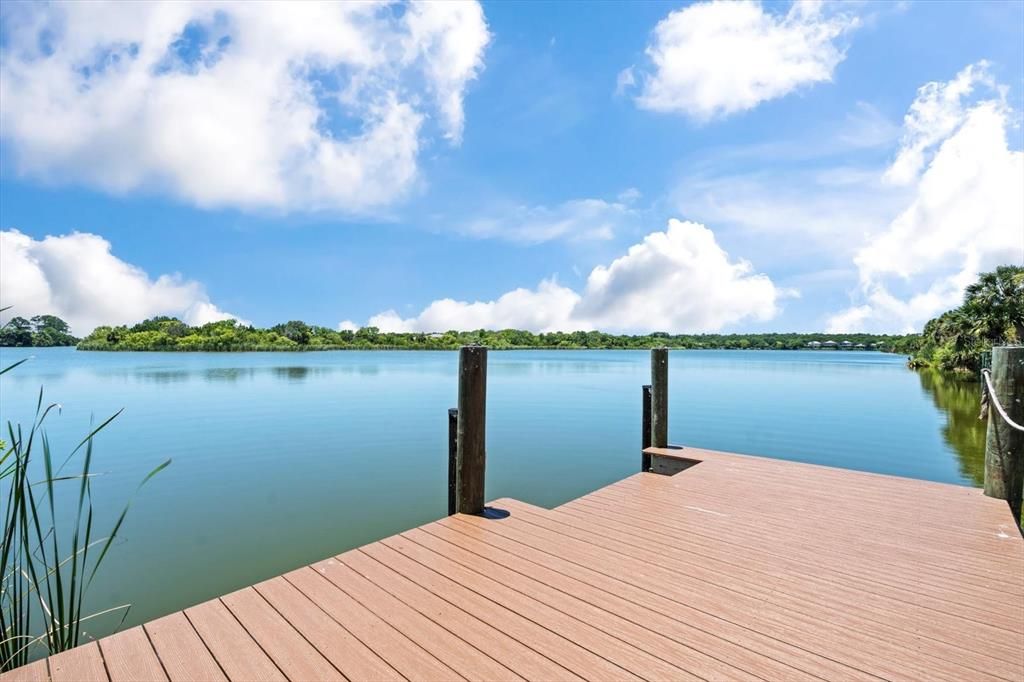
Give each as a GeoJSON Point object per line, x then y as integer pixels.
{"type": "Point", "coordinates": [992, 314]}
{"type": "Point", "coordinates": [995, 303]}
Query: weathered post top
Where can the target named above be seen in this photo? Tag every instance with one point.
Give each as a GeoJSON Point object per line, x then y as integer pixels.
{"type": "Point", "coordinates": [471, 457]}
{"type": "Point", "coordinates": [1004, 443]}
{"type": "Point", "coordinates": [659, 397]}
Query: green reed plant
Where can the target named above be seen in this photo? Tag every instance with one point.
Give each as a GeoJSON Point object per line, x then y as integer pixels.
{"type": "Point", "coordinates": [48, 558]}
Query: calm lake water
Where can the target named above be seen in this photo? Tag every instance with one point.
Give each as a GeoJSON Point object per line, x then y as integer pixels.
{"type": "Point", "coordinates": [280, 459]}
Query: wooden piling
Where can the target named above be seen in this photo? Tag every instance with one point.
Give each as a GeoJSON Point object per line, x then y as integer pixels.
{"type": "Point", "coordinates": [1004, 445]}
{"type": "Point", "coordinates": [659, 397]}
{"type": "Point", "coordinates": [471, 458]}
{"type": "Point", "coordinates": [453, 440]}
{"type": "Point", "coordinates": [645, 429]}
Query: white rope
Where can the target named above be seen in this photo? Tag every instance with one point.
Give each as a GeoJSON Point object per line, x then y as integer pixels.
{"type": "Point", "coordinates": [995, 401]}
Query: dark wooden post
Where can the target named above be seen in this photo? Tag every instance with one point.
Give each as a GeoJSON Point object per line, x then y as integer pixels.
{"type": "Point", "coordinates": [645, 430]}
{"type": "Point", "coordinates": [471, 457]}
{"type": "Point", "coordinates": [659, 397]}
{"type": "Point", "coordinates": [1004, 445]}
{"type": "Point", "coordinates": [453, 441]}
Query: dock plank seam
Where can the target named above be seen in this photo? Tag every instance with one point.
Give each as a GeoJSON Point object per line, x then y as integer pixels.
{"type": "Point", "coordinates": [347, 559]}
{"type": "Point", "coordinates": [625, 673]}
{"type": "Point", "coordinates": [430, 529]}
{"type": "Point", "coordinates": [342, 625]}
{"type": "Point", "coordinates": [634, 518]}
{"type": "Point", "coordinates": [593, 624]}
{"type": "Point", "coordinates": [766, 632]}
{"type": "Point", "coordinates": [865, 634]}
{"type": "Point", "coordinates": [692, 550]}
{"type": "Point", "coordinates": [355, 597]}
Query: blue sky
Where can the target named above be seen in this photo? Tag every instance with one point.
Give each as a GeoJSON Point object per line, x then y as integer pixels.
{"type": "Point", "coordinates": [827, 166]}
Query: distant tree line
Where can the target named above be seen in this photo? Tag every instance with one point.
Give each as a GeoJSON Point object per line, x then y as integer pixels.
{"type": "Point", "coordinates": [992, 314]}
{"type": "Point", "coordinates": [41, 330]}
{"type": "Point", "coordinates": [171, 334]}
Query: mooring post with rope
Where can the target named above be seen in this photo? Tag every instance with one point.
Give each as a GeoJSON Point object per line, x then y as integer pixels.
{"type": "Point", "coordinates": [1004, 441]}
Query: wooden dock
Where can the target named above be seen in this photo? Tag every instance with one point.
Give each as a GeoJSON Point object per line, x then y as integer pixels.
{"type": "Point", "coordinates": [736, 568]}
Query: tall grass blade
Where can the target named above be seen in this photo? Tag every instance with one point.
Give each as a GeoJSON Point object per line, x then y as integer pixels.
{"type": "Point", "coordinates": [43, 579]}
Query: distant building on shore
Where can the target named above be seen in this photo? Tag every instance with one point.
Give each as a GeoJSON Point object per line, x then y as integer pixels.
{"type": "Point", "coordinates": [839, 345]}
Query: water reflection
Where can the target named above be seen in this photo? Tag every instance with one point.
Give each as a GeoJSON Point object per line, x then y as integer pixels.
{"type": "Point", "coordinates": [963, 431]}
{"type": "Point", "coordinates": [231, 374]}
{"type": "Point", "coordinates": [156, 376]}
{"type": "Point", "coordinates": [296, 373]}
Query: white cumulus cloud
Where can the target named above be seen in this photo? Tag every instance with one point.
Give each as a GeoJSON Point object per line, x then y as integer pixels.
{"type": "Point", "coordinates": [936, 113]}
{"type": "Point", "coordinates": [287, 106]}
{"type": "Point", "coordinates": [966, 215]}
{"type": "Point", "coordinates": [76, 277]}
{"type": "Point", "coordinates": [678, 280]}
{"type": "Point", "coordinates": [716, 58]}
{"type": "Point", "coordinates": [546, 308]}
{"type": "Point", "coordinates": [573, 220]}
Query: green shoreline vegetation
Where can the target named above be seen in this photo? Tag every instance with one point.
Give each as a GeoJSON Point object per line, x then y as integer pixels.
{"type": "Point", "coordinates": [992, 314]}
{"type": "Point", "coordinates": [170, 334]}
{"type": "Point", "coordinates": [41, 330]}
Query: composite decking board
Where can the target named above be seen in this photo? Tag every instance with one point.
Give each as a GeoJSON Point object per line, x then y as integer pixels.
{"type": "Point", "coordinates": [554, 646]}
{"type": "Point", "coordinates": [457, 654]}
{"type": "Point", "coordinates": [889, 617]}
{"type": "Point", "coordinates": [81, 664]}
{"type": "Point", "coordinates": [961, 512]}
{"type": "Point", "coordinates": [802, 492]}
{"type": "Point", "coordinates": [407, 657]}
{"type": "Point", "coordinates": [234, 649]}
{"type": "Point", "coordinates": [860, 649]}
{"type": "Point", "coordinates": [917, 612]}
{"type": "Point", "coordinates": [469, 627]}
{"type": "Point", "coordinates": [351, 657]}
{"type": "Point", "coordinates": [941, 498]}
{"type": "Point", "coordinates": [695, 525]}
{"type": "Point", "coordinates": [290, 651]}
{"type": "Point", "coordinates": [677, 655]}
{"type": "Point", "coordinates": [780, 499]}
{"type": "Point", "coordinates": [36, 671]}
{"type": "Point", "coordinates": [739, 645]}
{"type": "Point", "coordinates": [920, 487]}
{"type": "Point", "coordinates": [617, 660]}
{"type": "Point", "coordinates": [129, 656]}
{"type": "Point", "coordinates": [735, 568]}
{"type": "Point", "coordinates": [182, 653]}
{"type": "Point", "coordinates": [807, 648]}
{"type": "Point", "coordinates": [704, 520]}
{"type": "Point", "coordinates": [663, 519]}
{"type": "Point", "coordinates": [991, 525]}
{"type": "Point", "coordinates": [867, 616]}
{"type": "Point", "coordinates": [993, 549]}
{"type": "Point", "coordinates": [961, 593]}
{"type": "Point", "coordinates": [665, 639]}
